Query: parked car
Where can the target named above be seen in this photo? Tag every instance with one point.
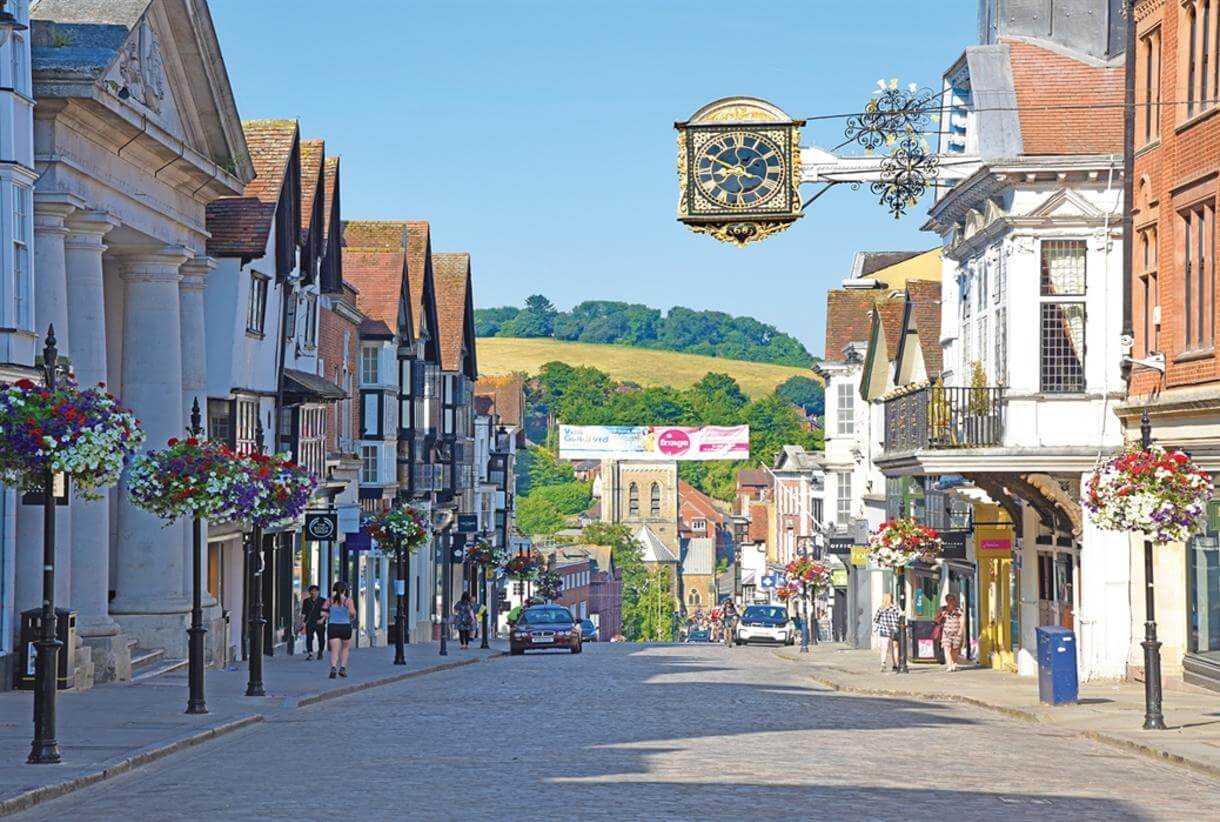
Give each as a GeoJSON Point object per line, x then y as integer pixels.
{"type": "Point", "coordinates": [765, 623]}
{"type": "Point", "coordinates": [699, 635]}
{"type": "Point", "coordinates": [588, 631]}
{"type": "Point", "coordinates": [544, 627]}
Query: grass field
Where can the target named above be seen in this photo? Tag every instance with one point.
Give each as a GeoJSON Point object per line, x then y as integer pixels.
{"type": "Point", "coordinates": [504, 355]}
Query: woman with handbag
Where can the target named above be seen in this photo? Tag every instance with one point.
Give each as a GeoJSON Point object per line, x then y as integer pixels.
{"type": "Point", "coordinates": [949, 631]}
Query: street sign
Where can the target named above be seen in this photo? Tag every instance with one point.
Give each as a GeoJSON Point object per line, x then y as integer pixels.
{"type": "Point", "coordinates": [838, 577]}
{"type": "Point", "coordinates": [767, 581]}
{"type": "Point", "coordinates": [468, 523]}
{"type": "Point", "coordinates": [322, 527]}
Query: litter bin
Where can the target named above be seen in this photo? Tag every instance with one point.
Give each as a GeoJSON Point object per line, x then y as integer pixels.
{"type": "Point", "coordinates": [31, 629]}
{"type": "Point", "coordinates": [1056, 665]}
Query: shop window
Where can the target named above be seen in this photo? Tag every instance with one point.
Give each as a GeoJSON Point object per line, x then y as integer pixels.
{"type": "Point", "coordinates": [1203, 595]}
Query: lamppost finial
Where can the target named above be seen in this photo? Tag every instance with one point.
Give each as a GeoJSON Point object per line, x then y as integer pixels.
{"type": "Point", "coordinates": [1145, 430]}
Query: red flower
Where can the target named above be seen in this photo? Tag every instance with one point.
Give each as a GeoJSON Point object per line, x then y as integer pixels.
{"type": "Point", "coordinates": [24, 384]}
{"type": "Point", "coordinates": [173, 441]}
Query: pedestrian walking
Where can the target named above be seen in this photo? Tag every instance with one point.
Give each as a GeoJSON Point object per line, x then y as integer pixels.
{"type": "Point", "coordinates": [464, 611]}
{"type": "Point", "coordinates": [313, 622]}
{"type": "Point", "coordinates": [341, 615]}
{"type": "Point", "coordinates": [886, 623]}
{"type": "Point", "coordinates": [950, 623]}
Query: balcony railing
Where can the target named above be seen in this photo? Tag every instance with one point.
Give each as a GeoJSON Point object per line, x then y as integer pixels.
{"type": "Point", "coordinates": [941, 417]}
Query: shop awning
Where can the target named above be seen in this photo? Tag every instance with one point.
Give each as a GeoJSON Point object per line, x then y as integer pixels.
{"type": "Point", "coordinates": [311, 386]}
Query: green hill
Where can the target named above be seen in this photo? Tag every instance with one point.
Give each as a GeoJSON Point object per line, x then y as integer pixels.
{"type": "Point", "coordinates": [645, 366]}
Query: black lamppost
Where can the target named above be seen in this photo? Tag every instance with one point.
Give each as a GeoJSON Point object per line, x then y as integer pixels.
{"type": "Point", "coordinates": [900, 574]}
{"type": "Point", "coordinates": [44, 750]}
{"type": "Point", "coordinates": [485, 596]}
{"type": "Point", "coordinates": [443, 523]}
{"type": "Point", "coordinates": [256, 620]}
{"type": "Point", "coordinates": [195, 703]}
{"type": "Point", "coordinates": [1153, 719]}
{"type": "Point", "coordinates": [400, 618]}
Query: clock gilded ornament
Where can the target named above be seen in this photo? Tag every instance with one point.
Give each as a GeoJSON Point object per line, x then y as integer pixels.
{"type": "Point", "coordinates": [739, 170]}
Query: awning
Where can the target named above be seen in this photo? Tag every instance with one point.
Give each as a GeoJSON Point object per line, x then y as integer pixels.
{"type": "Point", "coordinates": [304, 384]}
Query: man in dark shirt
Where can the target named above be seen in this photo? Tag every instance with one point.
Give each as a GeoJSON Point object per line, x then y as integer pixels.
{"type": "Point", "coordinates": [315, 625]}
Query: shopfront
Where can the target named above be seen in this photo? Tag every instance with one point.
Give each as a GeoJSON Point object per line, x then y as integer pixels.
{"type": "Point", "coordinates": [998, 588]}
{"type": "Point", "coordinates": [1201, 665]}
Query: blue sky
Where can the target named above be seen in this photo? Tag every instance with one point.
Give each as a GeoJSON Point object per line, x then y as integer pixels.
{"type": "Point", "coordinates": [537, 134]}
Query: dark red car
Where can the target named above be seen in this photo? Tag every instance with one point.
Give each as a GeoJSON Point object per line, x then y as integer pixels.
{"type": "Point", "coordinates": [544, 627]}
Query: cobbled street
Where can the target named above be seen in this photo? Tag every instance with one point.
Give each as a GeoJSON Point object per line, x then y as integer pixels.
{"type": "Point", "coordinates": [634, 732]}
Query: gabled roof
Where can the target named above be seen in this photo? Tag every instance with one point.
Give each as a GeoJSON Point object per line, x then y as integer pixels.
{"type": "Point", "coordinates": [655, 550]}
{"type": "Point", "coordinates": [413, 236]}
{"type": "Point", "coordinates": [796, 458]}
{"type": "Point", "coordinates": [240, 226]}
{"type": "Point", "coordinates": [379, 277]}
{"type": "Point", "coordinates": [699, 556]}
{"type": "Point", "coordinates": [884, 333]}
{"type": "Point", "coordinates": [753, 476]}
{"type": "Point", "coordinates": [758, 522]}
{"type": "Point", "coordinates": [455, 311]}
{"type": "Point", "coordinates": [330, 179]}
{"type": "Point", "coordinates": [313, 154]}
{"type": "Point", "coordinates": [699, 501]}
{"type": "Point", "coordinates": [923, 317]}
{"type": "Point", "coordinates": [847, 319]}
{"type": "Point", "coordinates": [507, 395]}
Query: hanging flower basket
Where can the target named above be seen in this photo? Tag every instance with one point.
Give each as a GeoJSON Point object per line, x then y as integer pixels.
{"type": "Point", "coordinates": [273, 490]}
{"type": "Point", "coordinates": [480, 553]}
{"type": "Point", "coordinates": [83, 434]}
{"type": "Point", "coordinates": [900, 542]}
{"type": "Point", "coordinates": [523, 567]}
{"type": "Point", "coordinates": [786, 592]}
{"type": "Point", "coordinates": [813, 575]}
{"type": "Point", "coordinates": [187, 478]}
{"type": "Point", "coordinates": [403, 528]}
{"type": "Point", "coordinates": [1160, 493]}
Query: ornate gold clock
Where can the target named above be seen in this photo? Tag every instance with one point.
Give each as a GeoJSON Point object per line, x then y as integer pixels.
{"type": "Point", "coordinates": [739, 170]}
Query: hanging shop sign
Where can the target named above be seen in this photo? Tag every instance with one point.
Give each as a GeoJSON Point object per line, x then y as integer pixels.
{"type": "Point", "coordinates": [321, 527]}
{"type": "Point", "coordinates": [838, 577]}
{"type": "Point", "coordinates": [859, 556]}
{"type": "Point", "coordinates": [993, 542]}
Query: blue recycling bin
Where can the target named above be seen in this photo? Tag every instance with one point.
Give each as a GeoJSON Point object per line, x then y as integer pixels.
{"type": "Point", "coordinates": [1057, 683]}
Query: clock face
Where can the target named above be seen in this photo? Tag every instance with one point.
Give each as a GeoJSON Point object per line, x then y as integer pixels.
{"type": "Point", "coordinates": [739, 169]}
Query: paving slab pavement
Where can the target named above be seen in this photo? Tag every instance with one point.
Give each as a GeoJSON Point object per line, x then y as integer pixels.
{"type": "Point", "coordinates": [1109, 712]}
{"type": "Point", "coordinates": [112, 728]}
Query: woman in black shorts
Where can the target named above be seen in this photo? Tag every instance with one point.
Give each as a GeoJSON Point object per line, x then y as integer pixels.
{"type": "Point", "coordinates": [341, 613]}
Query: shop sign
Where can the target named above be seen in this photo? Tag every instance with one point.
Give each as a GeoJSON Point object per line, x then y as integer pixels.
{"type": "Point", "coordinates": [838, 577]}
{"type": "Point", "coordinates": [953, 544]}
{"type": "Point", "coordinates": [321, 527]}
{"type": "Point", "coordinates": [841, 545]}
{"type": "Point", "coordinates": [993, 543]}
{"type": "Point", "coordinates": [859, 556]}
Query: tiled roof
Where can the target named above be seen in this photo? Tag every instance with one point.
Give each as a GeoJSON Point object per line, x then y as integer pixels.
{"type": "Point", "coordinates": [889, 311]}
{"type": "Point", "coordinates": [411, 235]}
{"type": "Point", "coordinates": [758, 522]}
{"type": "Point", "coordinates": [701, 502]}
{"type": "Point", "coordinates": [239, 226]}
{"type": "Point", "coordinates": [754, 476]}
{"type": "Point", "coordinates": [507, 394]}
{"type": "Point", "coordinates": [868, 262]}
{"type": "Point", "coordinates": [330, 175]}
{"type": "Point", "coordinates": [451, 274]}
{"type": "Point", "coordinates": [655, 549]}
{"type": "Point", "coordinates": [848, 319]}
{"type": "Point", "coordinates": [1044, 80]}
{"type": "Point", "coordinates": [924, 296]}
{"type": "Point", "coordinates": [378, 276]}
{"type": "Point", "coordinates": [699, 556]}
{"type": "Point", "coordinates": [374, 328]}
{"type": "Point", "coordinates": [313, 154]}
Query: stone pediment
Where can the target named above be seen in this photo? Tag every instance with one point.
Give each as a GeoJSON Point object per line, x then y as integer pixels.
{"type": "Point", "coordinates": [1066, 203]}
{"type": "Point", "coordinates": [154, 59]}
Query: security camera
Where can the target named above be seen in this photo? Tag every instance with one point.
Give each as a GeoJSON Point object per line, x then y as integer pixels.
{"type": "Point", "coordinates": [1155, 361]}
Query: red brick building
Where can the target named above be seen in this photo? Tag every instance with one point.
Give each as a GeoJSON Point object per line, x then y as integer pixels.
{"type": "Point", "coordinates": [1177, 180]}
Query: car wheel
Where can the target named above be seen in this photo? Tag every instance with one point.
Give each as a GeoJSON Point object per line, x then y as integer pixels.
{"type": "Point", "coordinates": [743, 642]}
{"type": "Point", "coordinates": [516, 651]}
{"type": "Point", "coordinates": [576, 648]}
{"type": "Point", "coordinates": [791, 640]}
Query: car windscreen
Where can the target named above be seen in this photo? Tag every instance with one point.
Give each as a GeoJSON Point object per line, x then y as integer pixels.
{"type": "Point", "coordinates": [547, 616]}
{"type": "Point", "coordinates": [587, 624]}
{"type": "Point", "coordinates": [759, 613]}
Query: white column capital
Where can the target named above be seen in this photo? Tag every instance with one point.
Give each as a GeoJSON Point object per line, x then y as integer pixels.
{"type": "Point", "coordinates": [154, 264]}
{"type": "Point", "coordinates": [51, 209]}
{"type": "Point", "coordinates": [87, 228]}
{"type": "Point", "coordinates": [195, 273]}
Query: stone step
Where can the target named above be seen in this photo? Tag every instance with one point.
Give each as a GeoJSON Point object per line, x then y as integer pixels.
{"type": "Point", "coordinates": [165, 667]}
{"type": "Point", "coordinates": [142, 658]}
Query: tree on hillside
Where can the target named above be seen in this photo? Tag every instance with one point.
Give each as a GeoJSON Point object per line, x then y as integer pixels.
{"type": "Point", "coordinates": [567, 498]}
{"type": "Point", "coordinates": [806, 392]}
{"type": "Point", "coordinates": [489, 321]}
{"type": "Point", "coordinates": [537, 319]}
{"type": "Point", "coordinates": [773, 424]}
{"type": "Point", "coordinates": [536, 516]}
{"type": "Point", "coordinates": [718, 399]}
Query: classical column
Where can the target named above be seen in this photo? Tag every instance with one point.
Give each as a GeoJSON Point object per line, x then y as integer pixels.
{"type": "Point", "coordinates": [151, 603]}
{"type": "Point", "coordinates": [90, 543]}
{"type": "Point", "coordinates": [194, 378]}
{"type": "Point", "coordinates": [50, 307]}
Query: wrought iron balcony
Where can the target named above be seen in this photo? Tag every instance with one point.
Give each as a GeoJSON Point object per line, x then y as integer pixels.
{"type": "Point", "coordinates": [941, 417]}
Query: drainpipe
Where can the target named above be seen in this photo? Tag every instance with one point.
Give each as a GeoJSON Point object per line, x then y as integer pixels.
{"type": "Point", "coordinates": [1128, 335]}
